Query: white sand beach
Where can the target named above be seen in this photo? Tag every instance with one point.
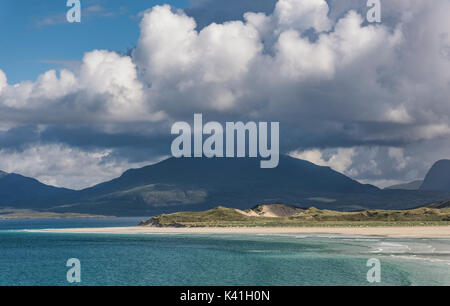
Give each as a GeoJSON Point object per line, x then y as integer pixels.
{"type": "Point", "coordinates": [401, 232]}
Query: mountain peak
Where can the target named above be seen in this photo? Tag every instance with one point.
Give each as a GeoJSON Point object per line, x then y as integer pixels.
{"type": "Point", "coordinates": [438, 178]}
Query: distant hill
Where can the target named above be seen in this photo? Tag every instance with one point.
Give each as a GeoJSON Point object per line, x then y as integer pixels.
{"type": "Point", "coordinates": [415, 185]}
{"type": "Point", "coordinates": [23, 192]}
{"type": "Point", "coordinates": [438, 178]}
{"type": "Point", "coordinates": [190, 183]}
{"type": "Point", "coordinates": [217, 173]}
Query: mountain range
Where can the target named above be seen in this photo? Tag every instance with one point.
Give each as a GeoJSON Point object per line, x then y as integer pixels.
{"type": "Point", "coordinates": [199, 184]}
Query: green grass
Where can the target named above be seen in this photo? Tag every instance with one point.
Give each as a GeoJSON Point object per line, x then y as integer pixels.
{"type": "Point", "coordinates": [227, 217]}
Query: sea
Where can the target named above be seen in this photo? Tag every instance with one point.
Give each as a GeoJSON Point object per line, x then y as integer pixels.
{"type": "Point", "coordinates": [32, 258]}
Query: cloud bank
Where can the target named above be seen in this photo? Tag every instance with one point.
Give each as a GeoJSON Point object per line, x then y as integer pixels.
{"type": "Point", "coordinates": [370, 100]}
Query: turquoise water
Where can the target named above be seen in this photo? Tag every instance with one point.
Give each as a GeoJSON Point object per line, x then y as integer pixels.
{"type": "Point", "coordinates": [28, 258]}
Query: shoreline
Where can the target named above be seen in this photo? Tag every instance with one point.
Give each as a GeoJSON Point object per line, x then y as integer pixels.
{"type": "Point", "coordinates": [29, 214]}
{"type": "Point", "coordinates": [392, 232]}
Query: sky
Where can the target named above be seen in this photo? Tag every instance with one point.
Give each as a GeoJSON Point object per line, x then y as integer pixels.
{"type": "Point", "coordinates": [39, 38]}
{"type": "Point", "coordinates": [81, 103]}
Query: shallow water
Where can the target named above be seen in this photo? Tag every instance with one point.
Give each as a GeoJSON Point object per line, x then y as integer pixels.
{"type": "Point", "coordinates": [28, 258]}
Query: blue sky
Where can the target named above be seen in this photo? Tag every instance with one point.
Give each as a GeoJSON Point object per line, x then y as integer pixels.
{"type": "Point", "coordinates": [35, 37]}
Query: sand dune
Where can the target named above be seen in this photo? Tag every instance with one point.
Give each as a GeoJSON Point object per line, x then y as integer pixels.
{"type": "Point", "coordinates": [272, 211]}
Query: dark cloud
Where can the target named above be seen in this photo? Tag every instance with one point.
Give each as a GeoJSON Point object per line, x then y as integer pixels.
{"type": "Point", "coordinates": [19, 137]}
{"type": "Point", "coordinates": [130, 145]}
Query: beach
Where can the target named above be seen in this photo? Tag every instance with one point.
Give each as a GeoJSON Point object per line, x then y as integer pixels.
{"type": "Point", "coordinates": [394, 232]}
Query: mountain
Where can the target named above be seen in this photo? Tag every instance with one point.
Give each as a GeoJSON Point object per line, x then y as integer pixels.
{"type": "Point", "coordinates": [234, 174]}
{"type": "Point", "coordinates": [190, 184]}
{"type": "Point", "coordinates": [23, 192]}
{"type": "Point", "coordinates": [438, 178]}
{"type": "Point", "coordinates": [196, 184]}
{"type": "Point", "coordinates": [415, 185]}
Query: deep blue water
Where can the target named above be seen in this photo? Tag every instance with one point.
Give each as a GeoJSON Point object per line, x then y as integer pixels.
{"type": "Point", "coordinates": [29, 258]}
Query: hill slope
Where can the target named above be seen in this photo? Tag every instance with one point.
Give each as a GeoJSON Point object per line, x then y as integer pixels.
{"type": "Point", "coordinates": [232, 173]}
{"type": "Point", "coordinates": [438, 178]}
{"type": "Point", "coordinates": [23, 192]}
{"type": "Point", "coordinates": [439, 205]}
{"type": "Point", "coordinates": [408, 186]}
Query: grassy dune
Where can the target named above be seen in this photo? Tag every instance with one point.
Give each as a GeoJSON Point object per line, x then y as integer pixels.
{"type": "Point", "coordinates": [228, 217]}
